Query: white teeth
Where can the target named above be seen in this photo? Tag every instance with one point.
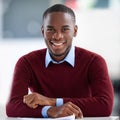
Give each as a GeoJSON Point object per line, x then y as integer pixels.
{"type": "Point", "coordinates": [57, 44]}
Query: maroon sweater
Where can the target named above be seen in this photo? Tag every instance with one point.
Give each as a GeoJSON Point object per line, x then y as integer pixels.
{"type": "Point", "coordinates": [87, 84]}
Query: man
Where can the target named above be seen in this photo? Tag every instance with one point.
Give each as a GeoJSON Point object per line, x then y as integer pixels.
{"type": "Point", "coordinates": [63, 79]}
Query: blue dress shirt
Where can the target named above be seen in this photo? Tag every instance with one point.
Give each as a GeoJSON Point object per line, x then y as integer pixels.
{"type": "Point", "coordinates": [70, 58]}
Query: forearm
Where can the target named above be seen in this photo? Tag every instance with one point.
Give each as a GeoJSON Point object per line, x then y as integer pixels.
{"type": "Point", "coordinates": [65, 110]}
{"type": "Point", "coordinates": [93, 106]}
{"type": "Point", "coordinates": [17, 108]}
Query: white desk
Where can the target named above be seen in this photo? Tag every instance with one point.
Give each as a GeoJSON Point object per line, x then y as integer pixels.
{"type": "Point", "coordinates": [86, 118]}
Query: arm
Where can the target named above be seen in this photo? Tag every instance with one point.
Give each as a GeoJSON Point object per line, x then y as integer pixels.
{"type": "Point", "coordinates": [22, 104]}
{"type": "Point", "coordinates": [35, 99]}
{"type": "Point", "coordinates": [100, 102]}
{"type": "Point", "coordinates": [21, 82]}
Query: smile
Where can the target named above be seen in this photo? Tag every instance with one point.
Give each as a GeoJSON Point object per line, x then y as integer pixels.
{"type": "Point", "coordinates": [57, 43]}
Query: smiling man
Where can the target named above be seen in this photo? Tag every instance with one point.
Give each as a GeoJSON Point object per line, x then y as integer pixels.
{"type": "Point", "coordinates": [58, 30]}
{"type": "Point", "coordinates": [63, 79]}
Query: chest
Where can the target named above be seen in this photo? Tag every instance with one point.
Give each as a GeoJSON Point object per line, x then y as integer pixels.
{"type": "Point", "coordinates": [62, 80]}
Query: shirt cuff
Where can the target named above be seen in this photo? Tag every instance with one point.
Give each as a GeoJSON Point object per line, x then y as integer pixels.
{"type": "Point", "coordinates": [44, 111]}
{"type": "Point", "coordinates": [59, 101]}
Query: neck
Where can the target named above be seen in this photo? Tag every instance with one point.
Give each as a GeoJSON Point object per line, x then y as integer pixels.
{"type": "Point", "coordinates": [59, 57]}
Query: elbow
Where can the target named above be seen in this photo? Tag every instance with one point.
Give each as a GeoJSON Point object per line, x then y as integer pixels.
{"type": "Point", "coordinates": [107, 108]}
{"type": "Point", "coordinates": [9, 110]}
{"type": "Point", "coordinates": [107, 111]}
{"type": "Point", "coordinates": [9, 114]}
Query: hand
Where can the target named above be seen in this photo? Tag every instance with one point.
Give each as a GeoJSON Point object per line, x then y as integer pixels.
{"type": "Point", "coordinates": [34, 100]}
{"type": "Point", "coordinates": [65, 110]}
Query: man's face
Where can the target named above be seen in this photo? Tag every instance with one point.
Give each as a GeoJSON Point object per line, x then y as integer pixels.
{"type": "Point", "coordinates": [58, 30]}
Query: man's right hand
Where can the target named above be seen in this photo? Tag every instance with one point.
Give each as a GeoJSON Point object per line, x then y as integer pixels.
{"type": "Point", "coordinates": [35, 99]}
{"type": "Point", "coordinates": [65, 110]}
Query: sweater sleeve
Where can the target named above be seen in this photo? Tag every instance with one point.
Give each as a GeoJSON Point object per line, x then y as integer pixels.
{"type": "Point", "coordinates": [21, 82]}
{"type": "Point", "coordinates": [100, 102]}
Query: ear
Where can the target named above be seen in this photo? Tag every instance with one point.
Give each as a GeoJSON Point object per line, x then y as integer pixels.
{"type": "Point", "coordinates": [42, 30]}
{"type": "Point", "coordinates": [75, 30]}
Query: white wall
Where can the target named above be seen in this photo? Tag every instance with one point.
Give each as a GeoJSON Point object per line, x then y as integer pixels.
{"type": "Point", "coordinates": [99, 31]}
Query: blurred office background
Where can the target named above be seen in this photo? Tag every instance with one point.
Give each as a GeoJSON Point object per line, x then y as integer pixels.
{"type": "Point", "coordinates": [20, 33]}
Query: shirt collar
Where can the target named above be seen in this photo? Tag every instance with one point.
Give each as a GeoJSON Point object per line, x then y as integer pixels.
{"type": "Point", "coordinates": [70, 58]}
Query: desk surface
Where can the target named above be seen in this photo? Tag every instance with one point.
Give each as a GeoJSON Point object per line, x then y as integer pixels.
{"type": "Point", "coordinates": [86, 118]}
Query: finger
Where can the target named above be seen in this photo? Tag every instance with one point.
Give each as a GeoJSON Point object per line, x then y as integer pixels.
{"type": "Point", "coordinates": [72, 111]}
{"type": "Point", "coordinates": [67, 110]}
{"type": "Point", "coordinates": [32, 105]}
{"type": "Point", "coordinates": [77, 111]}
{"type": "Point", "coordinates": [74, 106]}
{"type": "Point", "coordinates": [80, 115]}
{"type": "Point", "coordinates": [28, 99]}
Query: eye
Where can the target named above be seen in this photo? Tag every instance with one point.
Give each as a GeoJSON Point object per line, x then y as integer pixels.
{"type": "Point", "coordinates": [50, 30]}
{"type": "Point", "coordinates": [65, 29]}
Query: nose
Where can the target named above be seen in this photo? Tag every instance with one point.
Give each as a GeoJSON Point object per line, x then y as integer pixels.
{"type": "Point", "coordinates": [57, 35]}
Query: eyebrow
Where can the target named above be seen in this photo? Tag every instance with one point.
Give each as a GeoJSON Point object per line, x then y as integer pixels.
{"type": "Point", "coordinates": [49, 26]}
{"type": "Point", "coordinates": [65, 26]}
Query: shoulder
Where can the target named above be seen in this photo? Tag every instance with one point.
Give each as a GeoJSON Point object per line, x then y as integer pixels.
{"type": "Point", "coordinates": [87, 55]}
{"type": "Point", "coordinates": [34, 55]}
{"type": "Point", "coordinates": [91, 60]}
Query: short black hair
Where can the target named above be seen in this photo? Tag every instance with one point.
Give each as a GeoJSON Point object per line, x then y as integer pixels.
{"type": "Point", "coordinates": [59, 8]}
